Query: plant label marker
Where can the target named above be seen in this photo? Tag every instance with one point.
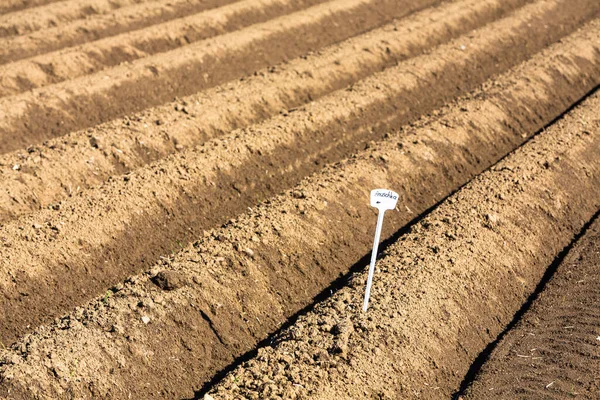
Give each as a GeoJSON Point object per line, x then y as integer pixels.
{"type": "Point", "coordinates": [383, 200]}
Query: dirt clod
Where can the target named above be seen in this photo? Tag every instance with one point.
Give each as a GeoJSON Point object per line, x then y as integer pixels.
{"type": "Point", "coordinates": [169, 280]}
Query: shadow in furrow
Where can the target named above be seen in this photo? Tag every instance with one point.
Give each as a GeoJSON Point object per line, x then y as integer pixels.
{"type": "Point", "coordinates": [485, 354]}
{"type": "Point", "coordinates": [363, 263]}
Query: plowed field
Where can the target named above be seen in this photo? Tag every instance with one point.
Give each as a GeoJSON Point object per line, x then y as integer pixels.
{"type": "Point", "coordinates": [184, 193]}
{"type": "Point", "coordinates": [553, 351]}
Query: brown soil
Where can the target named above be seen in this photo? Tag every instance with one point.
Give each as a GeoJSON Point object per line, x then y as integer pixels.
{"type": "Point", "coordinates": [237, 287]}
{"type": "Point", "coordinates": [54, 110]}
{"type": "Point", "coordinates": [248, 134]}
{"type": "Point", "coordinates": [180, 193]}
{"type": "Point", "coordinates": [553, 352]}
{"type": "Point", "coordinates": [443, 290]}
{"type": "Point", "coordinates": [99, 26]}
{"type": "Point", "coordinates": [90, 58]}
{"type": "Point", "coordinates": [45, 16]}
{"type": "Point", "coordinates": [8, 6]}
{"type": "Point", "coordinates": [54, 170]}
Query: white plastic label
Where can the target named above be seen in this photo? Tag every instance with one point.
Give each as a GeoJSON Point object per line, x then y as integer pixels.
{"type": "Point", "coordinates": [383, 199]}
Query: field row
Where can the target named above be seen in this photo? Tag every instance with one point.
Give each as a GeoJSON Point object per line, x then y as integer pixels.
{"type": "Point", "coordinates": [114, 225]}
{"type": "Point", "coordinates": [243, 280]}
{"type": "Point", "coordinates": [180, 179]}
{"type": "Point", "coordinates": [79, 103]}
{"type": "Point", "coordinates": [457, 277]}
{"type": "Point", "coordinates": [48, 173]}
{"type": "Point", "coordinates": [553, 351]}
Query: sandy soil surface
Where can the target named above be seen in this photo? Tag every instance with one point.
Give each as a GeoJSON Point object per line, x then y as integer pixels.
{"type": "Point", "coordinates": [98, 26]}
{"type": "Point", "coordinates": [180, 179]}
{"type": "Point", "coordinates": [553, 352]}
{"type": "Point", "coordinates": [257, 246]}
{"type": "Point", "coordinates": [54, 170]}
{"type": "Point", "coordinates": [446, 288]}
{"type": "Point", "coordinates": [8, 6]}
{"type": "Point", "coordinates": [54, 13]}
{"type": "Point", "coordinates": [40, 114]}
{"type": "Point", "coordinates": [177, 193]}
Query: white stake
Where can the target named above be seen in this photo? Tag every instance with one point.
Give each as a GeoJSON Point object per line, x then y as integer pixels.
{"type": "Point", "coordinates": [383, 200]}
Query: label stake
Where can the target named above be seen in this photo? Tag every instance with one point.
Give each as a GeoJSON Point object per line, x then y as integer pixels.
{"type": "Point", "coordinates": [383, 200]}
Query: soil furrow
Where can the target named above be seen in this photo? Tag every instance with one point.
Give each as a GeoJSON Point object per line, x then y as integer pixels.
{"type": "Point", "coordinates": [90, 58]}
{"type": "Point", "coordinates": [232, 288]}
{"type": "Point", "coordinates": [48, 173]}
{"type": "Point", "coordinates": [8, 6]}
{"type": "Point", "coordinates": [553, 352]}
{"type": "Point", "coordinates": [33, 19]}
{"type": "Point", "coordinates": [444, 289]}
{"type": "Point", "coordinates": [54, 110]}
{"type": "Point", "coordinates": [100, 26]}
{"type": "Point", "coordinates": [175, 193]}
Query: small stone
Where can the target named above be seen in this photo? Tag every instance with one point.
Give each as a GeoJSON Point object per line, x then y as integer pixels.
{"type": "Point", "coordinates": [298, 194]}
{"type": "Point", "coordinates": [145, 319]}
{"type": "Point", "coordinates": [37, 226]}
{"type": "Point", "coordinates": [94, 142]}
{"type": "Point", "coordinates": [493, 218]}
{"type": "Point", "coordinates": [169, 280]}
{"type": "Point", "coordinates": [208, 397]}
{"type": "Point", "coordinates": [249, 252]}
{"type": "Point", "coordinates": [16, 167]}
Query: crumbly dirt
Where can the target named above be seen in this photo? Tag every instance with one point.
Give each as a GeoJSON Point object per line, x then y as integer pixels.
{"type": "Point", "coordinates": [54, 110]}
{"type": "Point", "coordinates": [204, 187]}
{"type": "Point", "coordinates": [443, 290]}
{"type": "Point", "coordinates": [8, 6]}
{"type": "Point", "coordinates": [98, 26]}
{"type": "Point", "coordinates": [45, 16]}
{"type": "Point", "coordinates": [59, 66]}
{"type": "Point", "coordinates": [553, 352]}
{"type": "Point", "coordinates": [141, 257]}
{"type": "Point", "coordinates": [242, 281]}
{"type": "Point", "coordinates": [51, 172]}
